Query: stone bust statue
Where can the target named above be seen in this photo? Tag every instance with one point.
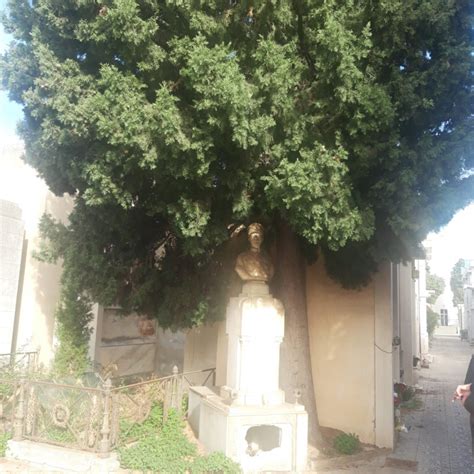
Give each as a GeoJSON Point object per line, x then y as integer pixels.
{"type": "Point", "coordinates": [254, 264]}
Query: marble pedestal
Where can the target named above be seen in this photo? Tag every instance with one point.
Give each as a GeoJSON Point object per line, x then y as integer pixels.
{"type": "Point", "coordinates": [248, 418]}
{"type": "Point", "coordinates": [259, 438]}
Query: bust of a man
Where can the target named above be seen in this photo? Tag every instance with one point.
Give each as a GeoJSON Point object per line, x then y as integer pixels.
{"type": "Point", "coordinates": [254, 264]}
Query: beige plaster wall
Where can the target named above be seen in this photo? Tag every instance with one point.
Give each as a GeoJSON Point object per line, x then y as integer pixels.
{"type": "Point", "coordinates": [397, 350]}
{"type": "Point", "coordinates": [407, 324]}
{"type": "Point", "coordinates": [384, 353]}
{"type": "Point", "coordinates": [200, 349]}
{"type": "Point", "coordinates": [341, 333]}
{"type": "Point", "coordinates": [40, 291]}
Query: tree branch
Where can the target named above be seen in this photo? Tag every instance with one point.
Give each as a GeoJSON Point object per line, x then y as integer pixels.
{"type": "Point", "coordinates": [301, 38]}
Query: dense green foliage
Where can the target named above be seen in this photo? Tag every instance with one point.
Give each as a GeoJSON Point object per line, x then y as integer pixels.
{"type": "Point", "coordinates": [130, 431]}
{"type": "Point", "coordinates": [456, 281]}
{"type": "Point", "coordinates": [172, 122]}
{"type": "Point", "coordinates": [72, 330]}
{"type": "Point", "coordinates": [214, 463]}
{"type": "Point", "coordinates": [435, 285]}
{"type": "Point", "coordinates": [4, 437]}
{"type": "Point", "coordinates": [166, 449]}
{"type": "Point", "coordinates": [432, 322]}
{"type": "Point", "coordinates": [347, 443]}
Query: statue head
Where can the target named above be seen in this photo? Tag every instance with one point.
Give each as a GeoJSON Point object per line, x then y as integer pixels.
{"type": "Point", "coordinates": [254, 265]}
{"type": "Point", "coordinates": [255, 235]}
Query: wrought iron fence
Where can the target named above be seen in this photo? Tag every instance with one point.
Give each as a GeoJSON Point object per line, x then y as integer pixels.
{"type": "Point", "coordinates": [12, 366]}
{"type": "Point", "coordinates": [94, 419]}
{"type": "Point", "coordinates": [140, 407]}
{"type": "Point", "coordinates": [8, 393]}
{"type": "Point", "coordinates": [18, 362]}
{"type": "Point", "coordinates": [66, 415]}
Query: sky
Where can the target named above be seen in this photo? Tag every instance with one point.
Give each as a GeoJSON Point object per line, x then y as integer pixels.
{"type": "Point", "coordinates": [454, 241]}
{"type": "Point", "coordinates": [10, 112]}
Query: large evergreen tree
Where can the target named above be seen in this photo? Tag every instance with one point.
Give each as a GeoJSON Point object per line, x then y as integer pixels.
{"type": "Point", "coordinates": [435, 285]}
{"type": "Point", "coordinates": [342, 125]}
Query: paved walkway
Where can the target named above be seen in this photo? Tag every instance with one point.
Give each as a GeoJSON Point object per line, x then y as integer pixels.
{"type": "Point", "coordinates": [439, 438]}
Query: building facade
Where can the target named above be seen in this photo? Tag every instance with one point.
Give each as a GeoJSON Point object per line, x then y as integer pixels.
{"type": "Point", "coordinates": [29, 289]}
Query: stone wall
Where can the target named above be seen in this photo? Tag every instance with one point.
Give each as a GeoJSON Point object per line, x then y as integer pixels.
{"type": "Point", "coordinates": [39, 282]}
{"type": "Point", "coordinates": [12, 232]}
{"type": "Point", "coordinates": [133, 345]}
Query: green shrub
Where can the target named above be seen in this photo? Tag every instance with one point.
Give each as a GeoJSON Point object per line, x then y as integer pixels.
{"type": "Point", "coordinates": [59, 435]}
{"type": "Point", "coordinates": [214, 463]}
{"type": "Point", "coordinates": [73, 315]}
{"type": "Point", "coordinates": [408, 394]}
{"type": "Point", "coordinates": [168, 450]}
{"type": "Point", "coordinates": [4, 437]}
{"type": "Point", "coordinates": [6, 389]}
{"type": "Point", "coordinates": [347, 443]}
{"type": "Point", "coordinates": [432, 322]}
{"type": "Point", "coordinates": [151, 426]}
{"type": "Point", "coordinates": [414, 403]}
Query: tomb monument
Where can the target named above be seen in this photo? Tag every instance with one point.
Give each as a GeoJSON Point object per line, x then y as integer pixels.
{"type": "Point", "coordinates": [248, 418]}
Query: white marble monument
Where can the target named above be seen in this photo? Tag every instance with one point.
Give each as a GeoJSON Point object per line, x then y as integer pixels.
{"type": "Point", "coordinates": [248, 418]}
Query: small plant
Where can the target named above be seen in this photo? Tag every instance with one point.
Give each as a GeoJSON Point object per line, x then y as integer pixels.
{"type": "Point", "coordinates": [214, 463]}
{"type": "Point", "coordinates": [59, 435]}
{"type": "Point", "coordinates": [130, 431]}
{"type": "Point", "coordinates": [4, 437]}
{"type": "Point", "coordinates": [432, 322]}
{"type": "Point", "coordinates": [168, 450]}
{"type": "Point", "coordinates": [347, 443]}
{"type": "Point", "coordinates": [414, 403]}
{"type": "Point", "coordinates": [408, 394]}
{"type": "Point", "coordinates": [404, 392]}
{"type": "Point", "coordinates": [6, 390]}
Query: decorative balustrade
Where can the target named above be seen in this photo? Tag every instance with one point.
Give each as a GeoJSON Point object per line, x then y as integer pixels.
{"type": "Point", "coordinates": [96, 419]}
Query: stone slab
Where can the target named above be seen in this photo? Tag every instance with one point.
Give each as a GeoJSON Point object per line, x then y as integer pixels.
{"type": "Point", "coordinates": [51, 458]}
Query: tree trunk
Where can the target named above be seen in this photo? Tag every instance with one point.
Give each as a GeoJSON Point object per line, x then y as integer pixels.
{"type": "Point", "coordinates": [295, 362]}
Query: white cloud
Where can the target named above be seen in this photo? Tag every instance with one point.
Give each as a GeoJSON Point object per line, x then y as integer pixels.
{"type": "Point", "coordinates": [8, 138]}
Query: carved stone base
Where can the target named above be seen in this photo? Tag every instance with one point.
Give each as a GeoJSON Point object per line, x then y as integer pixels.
{"type": "Point", "coordinates": [260, 438]}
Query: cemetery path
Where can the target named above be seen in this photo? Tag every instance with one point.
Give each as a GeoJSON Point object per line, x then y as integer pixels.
{"type": "Point", "coordinates": [438, 440]}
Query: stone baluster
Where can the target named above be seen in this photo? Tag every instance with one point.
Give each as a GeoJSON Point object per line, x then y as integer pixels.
{"type": "Point", "coordinates": [20, 413]}
{"type": "Point", "coordinates": [104, 444]}
{"type": "Point", "coordinates": [175, 393]}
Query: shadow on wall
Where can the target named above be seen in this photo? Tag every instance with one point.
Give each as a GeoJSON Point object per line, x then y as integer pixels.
{"type": "Point", "coordinates": [45, 279]}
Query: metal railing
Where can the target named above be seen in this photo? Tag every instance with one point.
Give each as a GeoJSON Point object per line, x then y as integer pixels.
{"type": "Point", "coordinates": [136, 403]}
{"type": "Point", "coordinates": [96, 419]}
{"type": "Point", "coordinates": [12, 367]}
{"type": "Point", "coordinates": [9, 390]}
{"type": "Point", "coordinates": [18, 362]}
